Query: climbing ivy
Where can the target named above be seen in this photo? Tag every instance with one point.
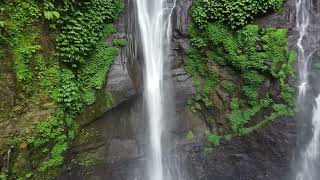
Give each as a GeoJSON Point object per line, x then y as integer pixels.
{"type": "Point", "coordinates": [92, 74]}
{"type": "Point", "coordinates": [83, 28]}
{"type": "Point", "coordinates": [69, 78]}
{"type": "Point", "coordinates": [119, 42]}
{"type": "Point", "coordinates": [235, 13]}
{"type": "Point", "coordinates": [221, 37]}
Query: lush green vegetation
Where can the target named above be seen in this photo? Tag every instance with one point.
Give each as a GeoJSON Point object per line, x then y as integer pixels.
{"type": "Point", "coordinates": [223, 40]}
{"type": "Point", "coordinates": [68, 72]}
{"type": "Point", "coordinates": [92, 74]}
{"type": "Point", "coordinates": [119, 42]}
{"type": "Point", "coordinates": [214, 139]}
{"type": "Point", "coordinates": [86, 160]}
{"type": "Point", "coordinates": [235, 13]}
{"type": "Point", "coordinates": [83, 28]}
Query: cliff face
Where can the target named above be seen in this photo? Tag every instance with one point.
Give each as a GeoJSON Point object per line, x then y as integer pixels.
{"type": "Point", "coordinates": [112, 141]}
{"type": "Point", "coordinates": [111, 146]}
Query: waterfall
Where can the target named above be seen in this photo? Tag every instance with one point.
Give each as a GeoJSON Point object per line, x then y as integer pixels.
{"type": "Point", "coordinates": [302, 18]}
{"type": "Point", "coordinates": [308, 163]}
{"type": "Point", "coordinates": [155, 30]}
{"type": "Point", "coordinates": [310, 155]}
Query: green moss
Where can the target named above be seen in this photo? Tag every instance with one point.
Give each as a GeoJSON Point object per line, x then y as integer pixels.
{"type": "Point", "coordinates": [228, 137]}
{"type": "Point", "coordinates": [47, 141]}
{"type": "Point", "coordinates": [86, 160]}
{"type": "Point", "coordinates": [86, 135]}
{"type": "Point", "coordinates": [83, 28]}
{"type": "Point", "coordinates": [25, 52]}
{"type": "Point", "coordinates": [92, 75]}
{"type": "Point", "coordinates": [189, 136]}
{"type": "Point", "coordinates": [214, 139]}
{"type": "Point", "coordinates": [316, 66]}
{"type": "Point", "coordinates": [20, 36]}
{"type": "Point", "coordinates": [70, 79]}
{"type": "Point", "coordinates": [239, 116]}
{"type": "Point", "coordinates": [235, 13]}
{"type": "Point", "coordinates": [120, 42]}
{"type": "Point", "coordinates": [228, 86]}
{"type": "Point", "coordinates": [3, 177]}
{"type": "Point", "coordinates": [205, 79]}
{"type": "Point", "coordinates": [255, 53]}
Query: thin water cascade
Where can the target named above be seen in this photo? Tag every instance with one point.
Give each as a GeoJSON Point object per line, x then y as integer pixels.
{"type": "Point", "coordinates": [155, 29]}
{"type": "Point", "coordinates": [308, 164]}
{"type": "Point", "coordinates": [302, 18]}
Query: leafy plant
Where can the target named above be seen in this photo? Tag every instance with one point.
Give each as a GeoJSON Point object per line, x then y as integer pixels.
{"type": "Point", "coordinates": [235, 13]}
{"type": "Point", "coordinates": [51, 135]}
{"type": "Point", "coordinates": [2, 24]}
{"type": "Point", "coordinates": [214, 139]}
{"type": "Point", "coordinates": [69, 93]}
{"type": "Point", "coordinates": [119, 42]}
{"type": "Point", "coordinates": [221, 36]}
{"type": "Point", "coordinates": [189, 136]}
{"type": "Point", "coordinates": [83, 28]}
{"type": "Point", "coordinates": [50, 13]}
{"type": "Point", "coordinates": [70, 78]}
{"type": "Point", "coordinates": [228, 86]}
{"type": "Point", "coordinates": [92, 75]}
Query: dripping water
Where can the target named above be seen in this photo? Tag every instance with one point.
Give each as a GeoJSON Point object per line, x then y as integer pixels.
{"type": "Point", "coordinates": [302, 18]}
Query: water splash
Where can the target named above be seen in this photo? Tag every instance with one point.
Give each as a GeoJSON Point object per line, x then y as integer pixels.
{"type": "Point", "coordinates": [155, 30]}
{"type": "Point", "coordinates": [311, 152]}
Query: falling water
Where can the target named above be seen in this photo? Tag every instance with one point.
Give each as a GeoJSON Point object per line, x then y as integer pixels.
{"type": "Point", "coordinates": [308, 164]}
{"type": "Point", "coordinates": [311, 153]}
{"type": "Point", "coordinates": [302, 18]}
{"type": "Point", "coordinates": [154, 22]}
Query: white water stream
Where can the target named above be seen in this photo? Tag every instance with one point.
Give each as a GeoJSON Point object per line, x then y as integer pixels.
{"type": "Point", "coordinates": [302, 18]}
{"type": "Point", "coordinates": [308, 169]}
{"type": "Point", "coordinates": [155, 29]}
{"type": "Point", "coordinates": [310, 155]}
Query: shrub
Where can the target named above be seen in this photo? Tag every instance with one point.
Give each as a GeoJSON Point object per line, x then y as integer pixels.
{"type": "Point", "coordinates": [228, 86]}
{"type": "Point", "coordinates": [214, 139]}
{"type": "Point", "coordinates": [120, 42]}
{"type": "Point", "coordinates": [222, 36]}
{"type": "Point", "coordinates": [83, 28]}
{"type": "Point", "coordinates": [235, 13]}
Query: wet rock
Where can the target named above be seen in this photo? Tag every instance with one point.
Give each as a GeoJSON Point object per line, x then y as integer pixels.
{"type": "Point", "coordinates": [264, 155]}
{"type": "Point", "coordinates": [122, 149]}
{"type": "Point", "coordinates": [181, 19]}
{"type": "Point", "coordinates": [119, 83]}
{"type": "Point", "coordinates": [184, 88]}
{"type": "Point", "coordinates": [124, 80]}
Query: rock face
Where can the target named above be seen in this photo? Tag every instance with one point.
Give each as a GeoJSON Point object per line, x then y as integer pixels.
{"type": "Point", "coordinates": [115, 140]}
{"type": "Point", "coordinates": [264, 155]}
{"type": "Point", "coordinates": [17, 113]}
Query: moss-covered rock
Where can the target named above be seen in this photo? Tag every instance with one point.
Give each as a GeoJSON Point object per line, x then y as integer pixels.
{"type": "Point", "coordinates": [54, 60]}
{"type": "Point", "coordinates": [234, 70]}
